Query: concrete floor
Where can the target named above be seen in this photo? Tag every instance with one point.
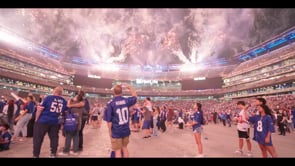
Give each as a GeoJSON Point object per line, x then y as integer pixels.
{"type": "Point", "coordinates": [218, 142]}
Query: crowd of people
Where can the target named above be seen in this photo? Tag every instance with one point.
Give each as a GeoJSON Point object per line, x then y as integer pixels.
{"type": "Point", "coordinates": [26, 117]}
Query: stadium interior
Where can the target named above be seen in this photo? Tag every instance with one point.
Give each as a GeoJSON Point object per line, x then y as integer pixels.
{"type": "Point", "coordinates": [265, 69]}
{"type": "Point", "coordinates": [180, 62]}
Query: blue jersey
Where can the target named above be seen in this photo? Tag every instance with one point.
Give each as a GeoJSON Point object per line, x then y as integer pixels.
{"type": "Point", "coordinates": [2, 104]}
{"type": "Point", "coordinates": [262, 125]}
{"type": "Point", "coordinates": [163, 115]}
{"type": "Point", "coordinates": [136, 115]}
{"type": "Point", "coordinates": [18, 103]}
{"type": "Point", "coordinates": [87, 105]}
{"type": "Point", "coordinates": [180, 114]}
{"type": "Point", "coordinates": [5, 136]}
{"type": "Point", "coordinates": [53, 106]}
{"type": "Point", "coordinates": [197, 117]}
{"type": "Point", "coordinates": [117, 112]}
{"type": "Point", "coordinates": [30, 107]}
{"type": "Point", "coordinates": [293, 113]}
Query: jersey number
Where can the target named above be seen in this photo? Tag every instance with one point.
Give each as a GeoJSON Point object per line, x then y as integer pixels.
{"type": "Point", "coordinates": [56, 107]}
{"type": "Point", "coordinates": [123, 115]}
{"type": "Point", "coordinates": [259, 126]}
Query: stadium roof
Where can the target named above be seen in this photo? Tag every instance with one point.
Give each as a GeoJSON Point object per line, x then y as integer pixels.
{"type": "Point", "coordinates": [157, 40]}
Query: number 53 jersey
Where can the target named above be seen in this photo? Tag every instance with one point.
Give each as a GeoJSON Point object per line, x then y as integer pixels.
{"type": "Point", "coordinates": [53, 106]}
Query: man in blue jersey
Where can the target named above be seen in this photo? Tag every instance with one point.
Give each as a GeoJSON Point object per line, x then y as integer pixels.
{"type": "Point", "coordinates": [5, 137]}
{"type": "Point", "coordinates": [117, 118]}
{"type": "Point", "coordinates": [47, 121]}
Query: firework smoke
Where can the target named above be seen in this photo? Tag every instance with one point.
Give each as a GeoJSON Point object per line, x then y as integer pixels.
{"type": "Point", "coordinates": [147, 36]}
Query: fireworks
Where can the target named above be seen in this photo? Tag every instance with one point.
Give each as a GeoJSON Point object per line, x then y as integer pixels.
{"type": "Point", "coordinates": [147, 36]}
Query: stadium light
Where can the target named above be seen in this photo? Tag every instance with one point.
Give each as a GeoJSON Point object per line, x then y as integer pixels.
{"type": "Point", "coordinates": [188, 67]}
{"type": "Point", "coordinates": [109, 67]}
{"type": "Point", "coordinates": [199, 78]}
{"type": "Point", "coordinates": [94, 76]}
{"type": "Point", "coordinates": [11, 39]}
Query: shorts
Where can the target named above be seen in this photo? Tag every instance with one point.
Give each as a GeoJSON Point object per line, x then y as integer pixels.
{"type": "Point", "coordinates": [135, 121]}
{"type": "Point", "coordinates": [118, 143]}
{"type": "Point", "coordinates": [146, 124]}
{"type": "Point", "coordinates": [243, 134]}
{"type": "Point", "coordinates": [198, 130]}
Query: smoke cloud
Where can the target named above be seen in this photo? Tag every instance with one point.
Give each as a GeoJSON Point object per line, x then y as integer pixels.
{"type": "Point", "coordinates": [147, 36]}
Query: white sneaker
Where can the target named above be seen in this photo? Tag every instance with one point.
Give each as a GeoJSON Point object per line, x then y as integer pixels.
{"type": "Point", "coordinates": [200, 156]}
{"type": "Point", "coordinates": [21, 140]}
{"type": "Point", "coordinates": [52, 155]}
{"type": "Point", "coordinates": [74, 153]}
{"type": "Point", "coordinates": [239, 152]}
{"type": "Point", "coordinates": [63, 154]}
{"type": "Point", "coordinates": [249, 154]}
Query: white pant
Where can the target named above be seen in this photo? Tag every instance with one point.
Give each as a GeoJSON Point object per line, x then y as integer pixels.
{"type": "Point", "coordinates": [21, 125]}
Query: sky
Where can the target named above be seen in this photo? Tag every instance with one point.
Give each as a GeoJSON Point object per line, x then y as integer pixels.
{"type": "Point", "coordinates": [148, 36]}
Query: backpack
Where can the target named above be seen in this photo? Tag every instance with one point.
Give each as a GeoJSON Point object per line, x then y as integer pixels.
{"type": "Point", "coordinates": [70, 123]}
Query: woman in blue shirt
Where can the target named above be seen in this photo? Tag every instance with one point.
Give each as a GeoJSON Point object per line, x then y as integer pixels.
{"type": "Point", "coordinates": [196, 122]}
{"type": "Point", "coordinates": [263, 127]}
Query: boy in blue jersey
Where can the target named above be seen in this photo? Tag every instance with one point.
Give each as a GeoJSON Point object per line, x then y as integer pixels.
{"type": "Point", "coordinates": [117, 118]}
{"type": "Point", "coordinates": [84, 103]}
{"type": "Point", "coordinates": [135, 117]}
{"type": "Point", "coordinates": [5, 137]}
{"type": "Point", "coordinates": [263, 127]}
{"type": "Point", "coordinates": [47, 121]}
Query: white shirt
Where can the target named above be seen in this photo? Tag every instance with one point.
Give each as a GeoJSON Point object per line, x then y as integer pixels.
{"type": "Point", "coordinates": [242, 125]}
{"type": "Point", "coordinates": [5, 109]}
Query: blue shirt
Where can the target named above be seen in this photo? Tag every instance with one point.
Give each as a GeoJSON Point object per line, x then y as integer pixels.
{"type": "Point", "coordinates": [4, 136]}
{"type": "Point", "coordinates": [262, 125]}
{"type": "Point", "coordinates": [180, 114]}
{"type": "Point", "coordinates": [18, 103]}
{"type": "Point", "coordinates": [87, 105]}
{"type": "Point", "coordinates": [196, 117]}
{"type": "Point", "coordinates": [2, 104]}
{"type": "Point", "coordinates": [163, 115]}
{"type": "Point", "coordinates": [136, 115]}
{"type": "Point", "coordinates": [117, 112]}
{"type": "Point", "coordinates": [53, 107]}
{"type": "Point", "coordinates": [293, 113]}
{"type": "Point", "coordinates": [30, 107]}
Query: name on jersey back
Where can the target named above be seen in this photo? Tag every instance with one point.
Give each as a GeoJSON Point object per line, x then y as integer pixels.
{"type": "Point", "coordinates": [58, 100]}
{"type": "Point", "coordinates": [121, 102]}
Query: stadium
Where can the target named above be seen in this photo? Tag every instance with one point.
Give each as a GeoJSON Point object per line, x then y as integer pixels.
{"type": "Point", "coordinates": [174, 56]}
